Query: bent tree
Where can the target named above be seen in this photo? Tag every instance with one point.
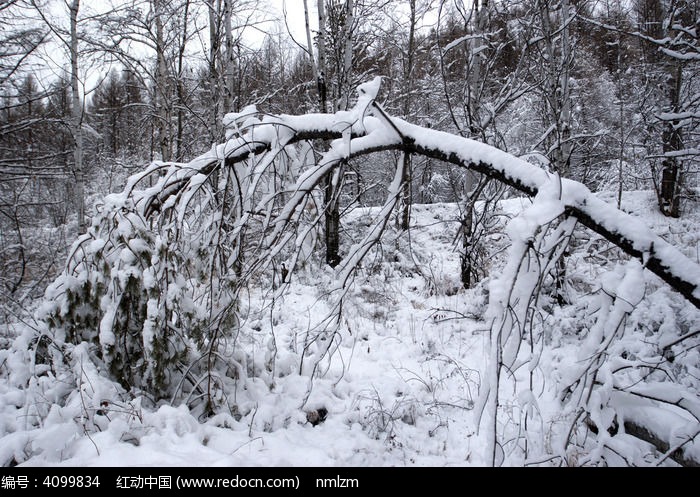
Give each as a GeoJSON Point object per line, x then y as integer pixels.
{"type": "Point", "coordinates": [163, 273]}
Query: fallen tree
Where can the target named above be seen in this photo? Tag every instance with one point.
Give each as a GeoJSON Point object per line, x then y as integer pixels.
{"type": "Point", "coordinates": [368, 129]}
{"type": "Point", "coordinates": [163, 268]}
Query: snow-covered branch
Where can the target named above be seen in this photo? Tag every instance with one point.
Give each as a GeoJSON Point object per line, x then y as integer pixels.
{"type": "Point", "coordinates": [356, 134]}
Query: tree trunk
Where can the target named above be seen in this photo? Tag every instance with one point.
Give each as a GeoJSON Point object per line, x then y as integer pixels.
{"type": "Point", "coordinates": [621, 96]}
{"type": "Point", "coordinates": [557, 102]}
{"type": "Point", "coordinates": [345, 79]}
{"type": "Point", "coordinates": [405, 200]}
{"type": "Point", "coordinates": [230, 59]}
{"type": "Point", "coordinates": [672, 141]}
{"type": "Point", "coordinates": [564, 146]}
{"type": "Point", "coordinates": [321, 69]}
{"type": "Point", "coordinates": [556, 85]}
{"type": "Point", "coordinates": [658, 256]}
{"type": "Point", "coordinates": [654, 26]}
{"type": "Point", "coordinates": [179, 149]}
{"type": "Point", "coordinates": [644, 432]}
{"type": "Point", "coordinates": [332, 220]}
{"type": "Point", "coordinates": [214, 52]}
{"type": "Point", "coordinates": [467, 258]}
{"type": "Point", "coordinates": [330, 195]}
{"type": "Point", "coordinates": [565, 116]}
{"type": "Point", "coordinates": [77, 117]}
{"type": "Point", "coordinates": [309, 44]}
{"type": "Point", "coordinates": [162, 84]}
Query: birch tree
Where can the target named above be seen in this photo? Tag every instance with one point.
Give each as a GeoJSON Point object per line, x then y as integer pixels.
{"type": "Point", "coordinates": [678, 57]}
{"type": "Point", "coordinates": [19, 39]}
{"type": "Point", "coordinates": [163, 30]}
{"type": "Point", "coordinates": [77, 113]}
{"type": "Point", "coordinates": [477, 94]}
{"type": "Point", "coordinates": [555, 52]}
{"type": "Point", "coordinates": [404, 216]}
{"type": "Point", "coordinates": [70, 38]}
{"type": "Point", "coordinates": [668, 38]}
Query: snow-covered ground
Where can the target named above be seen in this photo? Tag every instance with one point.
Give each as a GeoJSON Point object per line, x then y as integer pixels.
{"type": "Point", "coordinates": [399, 390]}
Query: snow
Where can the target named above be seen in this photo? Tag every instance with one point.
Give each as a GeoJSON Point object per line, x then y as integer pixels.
{"type": "Point", "coordinates": [400, 389]}
{"type": "Point", "coordinates": [234, 121]}
{"type": "Point", "coordinates": [461, 40]}
{"type": "Point", "coordinates": [688, 56]}
{"type": "Point", "coordinates": [470, 151]}
{"type": "Point", "coordinates": [410, 366]}
{"type": "Point", "coordinates": [403, 379]}
{"type": "Point", "coordinates": [107, 337]}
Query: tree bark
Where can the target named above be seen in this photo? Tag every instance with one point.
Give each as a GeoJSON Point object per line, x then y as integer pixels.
{"type": "Point", "coordinates": [557, 96]}
{"type": "Point", "coordinates": [672, 141]}
{"type": "Point", "coordinates": [321, 69]}
{"type": "Point", "coordinates": [565, 118]}
{"type": "Point", "coordinates": [162, 84]}
{"type": "Point", "coordinates": [309, 43]}
{"type": "Point", "coordinates": [332, 219]}
{"type": "Point", "coordinates": [346, 77]}
{"type": "Point", "coordinates": [648, 435]}
{"type": "Point", "coordinates": [77, 117]}
{"type": "Point", "coordinates": [405, 200]}
{"type": "Point", "coordinates": [229, 75]}
{"type": "Point", "coordinates": [330, 195]}
{"type": "Point", "coordinates": [179, 149]}
{"type": "Point", "coordinates": [214, 54]}
{"type": "Point", "coordinates": [467, 259]}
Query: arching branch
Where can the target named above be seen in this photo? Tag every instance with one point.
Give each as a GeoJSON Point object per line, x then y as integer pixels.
{"type": "Point", "coordinates": [373, 134]}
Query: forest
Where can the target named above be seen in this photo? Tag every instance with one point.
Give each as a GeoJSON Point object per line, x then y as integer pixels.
{"type": "Point", "coordinates": [350, 232]}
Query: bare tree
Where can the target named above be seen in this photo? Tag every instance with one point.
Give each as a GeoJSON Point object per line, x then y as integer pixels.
{"type": "Point", "coordinates": [477, 93]}
{"type": "Point", "coordinates": [180, 78]}
{"type": "Point", "coordinates": [162, 28]}
{"type": "Point", "coordinates": [404, 216]}
{"type": "Point", "coordinates": [77, 115]}
{"type": "Point", "coordinates": [679, 52]}
{"type": "Point", "coordinates": [669, 43]}
{"type": "Point", "coordinates": [70, 40]}
{"type": "Point", "coordinates": [163, 83]}
{"type": "Point", "coordinates": [18, 41]}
